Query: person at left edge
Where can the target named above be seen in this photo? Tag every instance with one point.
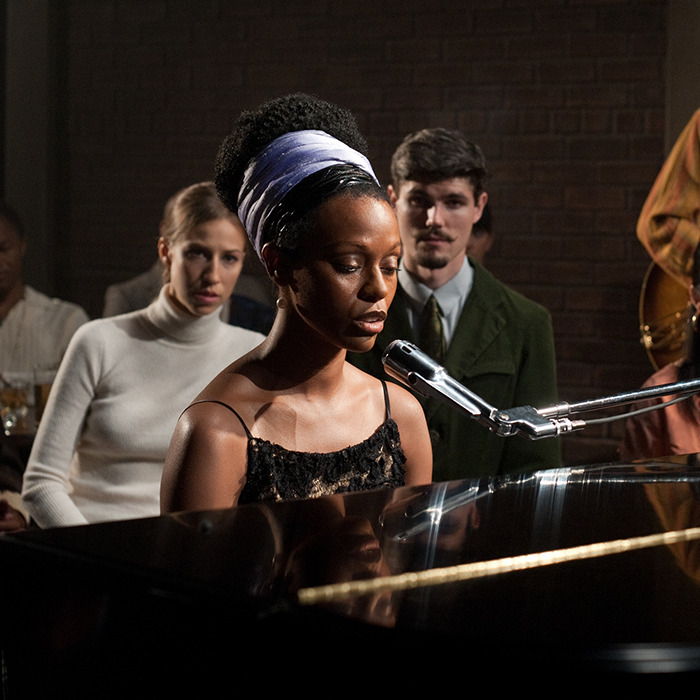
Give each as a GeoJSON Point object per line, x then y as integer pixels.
{"type": "Point", "coordinates": [34, 333]}
{"type": "Point", "coordinates": [34, 329]}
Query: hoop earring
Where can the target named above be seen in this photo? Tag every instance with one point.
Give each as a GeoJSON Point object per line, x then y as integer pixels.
{"type": "Point", "coordinates": [280, 303]}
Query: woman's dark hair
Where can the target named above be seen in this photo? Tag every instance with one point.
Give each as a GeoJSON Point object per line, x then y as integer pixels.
{"type": "Point", "coordinates": [257, 128]}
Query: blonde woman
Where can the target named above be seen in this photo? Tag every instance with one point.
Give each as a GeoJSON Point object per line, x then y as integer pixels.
{"type": "Point", "coordinates": [101, 443]}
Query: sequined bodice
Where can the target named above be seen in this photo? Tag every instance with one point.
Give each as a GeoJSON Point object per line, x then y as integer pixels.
{"type": "Point", "coordinates": [275, 473]}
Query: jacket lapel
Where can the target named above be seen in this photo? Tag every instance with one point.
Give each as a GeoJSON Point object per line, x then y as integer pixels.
{"type": "Point", "coordinates": [479, 323]}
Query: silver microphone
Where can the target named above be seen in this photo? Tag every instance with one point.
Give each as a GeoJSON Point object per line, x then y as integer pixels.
{"type": "Point", "coordinates": [411, 366]}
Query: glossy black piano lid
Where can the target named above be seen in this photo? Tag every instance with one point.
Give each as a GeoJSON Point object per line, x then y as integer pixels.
{"type": "Point", "coordinates": [244, 568]}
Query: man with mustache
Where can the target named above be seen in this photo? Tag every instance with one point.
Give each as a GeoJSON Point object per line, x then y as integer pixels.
{"type": "Point", "coordinates": [495, 342]}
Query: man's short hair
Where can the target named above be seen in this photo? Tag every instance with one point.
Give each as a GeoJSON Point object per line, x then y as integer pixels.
{"type": "Point", "coordinates": [432, 155]}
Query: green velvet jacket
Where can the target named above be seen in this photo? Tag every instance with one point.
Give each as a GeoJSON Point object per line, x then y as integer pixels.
{"type": "Point", "coordinates": [503, 351]}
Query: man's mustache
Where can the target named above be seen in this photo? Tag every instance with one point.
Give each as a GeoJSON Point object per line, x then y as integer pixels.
{"type": "Point", "coordinates": [434, 233]}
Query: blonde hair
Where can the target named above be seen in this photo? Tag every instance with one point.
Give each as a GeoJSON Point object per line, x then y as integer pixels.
{"type": "Point", "coordinates": [188, 208]}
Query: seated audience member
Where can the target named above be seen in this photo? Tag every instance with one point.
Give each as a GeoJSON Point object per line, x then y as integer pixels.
{"type": "Point", "coordinates": [482, 236]}
{"type": "Point", "coordinates": [489, 338]}
{"type": "Point", "coordinates": [34, 329]}
{"type": "Point", "coordinates": [99, 450]}
{"type": "Point", "coordinates": [283, 422]}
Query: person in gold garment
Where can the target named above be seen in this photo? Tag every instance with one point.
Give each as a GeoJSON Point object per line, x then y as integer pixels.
{"type": "Point", "coordinates": [669, 228]}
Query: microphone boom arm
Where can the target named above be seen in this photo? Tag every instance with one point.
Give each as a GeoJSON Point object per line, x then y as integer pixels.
{"type": "Point", "coordinates": [409, 365]}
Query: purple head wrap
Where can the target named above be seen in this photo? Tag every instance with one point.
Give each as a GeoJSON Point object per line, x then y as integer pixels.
{"type": "Point", "coordinates": [280, 166]}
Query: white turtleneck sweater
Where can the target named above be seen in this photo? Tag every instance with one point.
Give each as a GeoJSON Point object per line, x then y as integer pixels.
{"type": "Point", "coordinates": [100, 447]}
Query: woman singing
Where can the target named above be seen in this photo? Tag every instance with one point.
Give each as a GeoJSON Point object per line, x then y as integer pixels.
{"type": "Point", "coordinates": [293, 419]}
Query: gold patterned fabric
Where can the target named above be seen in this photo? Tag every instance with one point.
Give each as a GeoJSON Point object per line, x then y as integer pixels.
{"type": "Point", "coordinates": [668, 225]}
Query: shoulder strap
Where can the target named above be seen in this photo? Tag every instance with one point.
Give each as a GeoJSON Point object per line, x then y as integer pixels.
{"type": "Point", "coordinates": [386, 399]}
{"type": "Point", "coordinates": [225, 405]}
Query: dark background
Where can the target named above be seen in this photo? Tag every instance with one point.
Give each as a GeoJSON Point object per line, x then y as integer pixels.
{"type": "Point", "coordinates": [112, 105]}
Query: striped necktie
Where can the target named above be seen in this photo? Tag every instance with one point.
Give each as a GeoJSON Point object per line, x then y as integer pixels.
{"type": "Point", "coordinates": [432, 340]}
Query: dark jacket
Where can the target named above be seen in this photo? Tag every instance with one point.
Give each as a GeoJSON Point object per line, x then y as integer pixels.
{"type": "Point", "coordinates": [503, 351]}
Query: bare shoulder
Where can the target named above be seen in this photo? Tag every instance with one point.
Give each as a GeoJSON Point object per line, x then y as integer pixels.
{"type": "Point", "coordinates": [210, 415]}
{"type": "Point", "coordinates": [404, 404]}
{"type": "Point", "coordinates": [408, 414]}
{"type": "Point", "coordinates": [206, 462]}
{"type": "Point", "coordinates": [208, 428]}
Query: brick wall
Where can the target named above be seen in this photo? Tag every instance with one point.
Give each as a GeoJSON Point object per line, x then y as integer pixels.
{"type": "Point", "coordinates": [565, 96]}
